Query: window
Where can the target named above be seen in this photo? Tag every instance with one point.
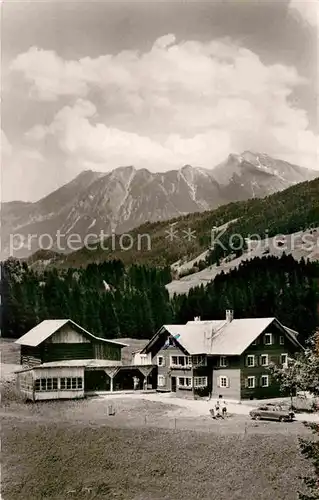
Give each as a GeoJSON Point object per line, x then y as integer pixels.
{"type": "Point", "coordinates": [251, 382]}
{"type": "Point", "coordinates": [264, 360]}
{"type": "Point", "coordinates": [161, 381]}
{"type": "Point", "coordinates": [268, 339]}
{"type": "Point", "coordinates": [199, 360]}
{"type": "Point", "coordinates": [181, 361]}
{"type": "Point", "coordinates": [160, 361]}
{"type": "Point", "coordinates": [144, 360]}
{"type": "Point", "coordinates": [174, 361]}
{"type": "Point", "coordinates": [200, 381]}
{"type": "Point", "coordinates": [284, 359]}
{"type": "Point", "coordinates": [46, 384]}
{"type": "Point", "coordinates": [185, 382]}
{"type": "Point", "coordinates": [223, 382]}
{"type": "Point", "coordinates": [265, 381]}
{"type": "Point", "coordinates": [254, 343]}
{"type": "Point", "coordinates": [223, 361]}
{"type": "Point", "coordinates": [251, 360]}
{"type": "Point", "coordinates": [281, 340]}
{"type": "Point", "coordinates": [68, 383]}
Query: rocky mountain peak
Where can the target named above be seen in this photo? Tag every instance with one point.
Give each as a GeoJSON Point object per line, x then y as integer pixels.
{"type": "Point", "coordinates": [127, 197]}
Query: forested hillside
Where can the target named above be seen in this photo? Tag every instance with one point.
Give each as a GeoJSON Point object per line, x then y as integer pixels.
{"type": "Point", "coordinates": [284, 212]}
{"type": "Point", "coordinates": [265, 287]}
{"type": "Point", "coordinates": [133, 302]}
{"type": "Point", "coordinates": [295, 209]}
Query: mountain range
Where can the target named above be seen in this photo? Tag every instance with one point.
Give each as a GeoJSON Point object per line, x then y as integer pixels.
{"type": "Point", "coordinates": [125, 198]}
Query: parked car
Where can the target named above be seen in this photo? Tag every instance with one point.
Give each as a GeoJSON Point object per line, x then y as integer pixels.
{"type": "Point", "coordinates": [272, 412]}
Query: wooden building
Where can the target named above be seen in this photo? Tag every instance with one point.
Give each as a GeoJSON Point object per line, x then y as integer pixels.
{"type": "Point", "coordinates": [228, 358]}
{"type": "Point", "coordinates": [62, 360]}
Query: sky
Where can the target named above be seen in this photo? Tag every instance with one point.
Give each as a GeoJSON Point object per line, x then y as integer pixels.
{"type": "Point", "coordinates": [157, 85]}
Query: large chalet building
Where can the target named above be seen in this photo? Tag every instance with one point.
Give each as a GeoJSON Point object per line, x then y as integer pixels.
{"type": "Point", "coordinates": [228, 358]}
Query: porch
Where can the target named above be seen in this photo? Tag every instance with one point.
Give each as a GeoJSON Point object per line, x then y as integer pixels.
{"type": "Point", "coordinates": [119, 379]}
{"type": "Point", "coordinates": [78, 378]}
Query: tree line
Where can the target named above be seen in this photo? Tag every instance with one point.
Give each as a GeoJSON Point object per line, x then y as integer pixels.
{"type": "Point", "coordinates": [113, 301]}
{"type": "Point", "coordinates": [262, 287]}
{"type": "Point", "coordinates": [107, 299]}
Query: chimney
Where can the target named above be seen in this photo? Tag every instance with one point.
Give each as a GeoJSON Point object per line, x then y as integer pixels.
{"type": "Point", "coordinates": [229, 315]}
{"type": "Point", "coordinates": [197, 318]}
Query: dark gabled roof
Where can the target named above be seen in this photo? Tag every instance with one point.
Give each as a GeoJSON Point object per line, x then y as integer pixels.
{"type": "Point", "coordinates": [48, 327]}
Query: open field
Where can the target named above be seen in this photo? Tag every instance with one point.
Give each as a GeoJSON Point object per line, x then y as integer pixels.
{"type": "Point", "coordinates": [147, 451]}
{"type": "Point", "coordinates": [153, 448]}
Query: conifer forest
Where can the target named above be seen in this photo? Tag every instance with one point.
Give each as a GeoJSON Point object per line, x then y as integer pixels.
{"type": "Point", "coordinates": [114, 301]}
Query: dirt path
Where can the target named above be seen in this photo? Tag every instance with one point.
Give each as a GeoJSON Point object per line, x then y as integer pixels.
{"type": "Point", "coordinates": [190, 407]}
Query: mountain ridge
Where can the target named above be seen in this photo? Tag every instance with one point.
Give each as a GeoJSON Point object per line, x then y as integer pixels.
{"type": "Point", "coordinates": [283, 213]}
{"type": "Point", "coordinates": [126, 197]}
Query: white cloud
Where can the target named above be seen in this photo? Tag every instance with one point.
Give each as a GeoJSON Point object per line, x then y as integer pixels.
{"type": "Point", "coordinates": [49, 75]}
{"type": "Point", "coordinates": [6, 148]}
{"type": "Point", "coordinates": [36, 133]}
{"type": "Point", "coordinates": [202, 71]}
{"type": "Point", "coordinates": [180, 102]}
{"type": "Point", "coordinates": [23, 172]}
{"type": "Point", "coordinates": [307, 9]}
{"type": "Point", "coordinates": [107, 147]}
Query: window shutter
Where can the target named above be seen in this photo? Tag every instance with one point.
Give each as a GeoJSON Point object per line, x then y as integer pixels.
{"type": "Point", "coordinates": [227, 382]}
{"type": "Point", "coordinates": [218, 381]}
{"type": "Point", "coordinates": [163, 361]}
{"type": "Point", "coordinates": [246, 383]}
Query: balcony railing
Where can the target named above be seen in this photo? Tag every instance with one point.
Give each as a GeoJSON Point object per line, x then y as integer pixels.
{"type": "Point", "coordinates": [181, 367]}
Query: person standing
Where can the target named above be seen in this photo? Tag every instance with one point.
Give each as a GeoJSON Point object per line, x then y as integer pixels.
{"type": "Point", "coordinates": [223, 406]}
{"type": "Point", "coordinates": [217, 409]}
{"type": "Point", "coordinates": [224, 409]}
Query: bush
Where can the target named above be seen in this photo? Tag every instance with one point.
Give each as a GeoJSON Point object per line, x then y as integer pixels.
{"type": "Point", "coordinates": [202, 392]}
